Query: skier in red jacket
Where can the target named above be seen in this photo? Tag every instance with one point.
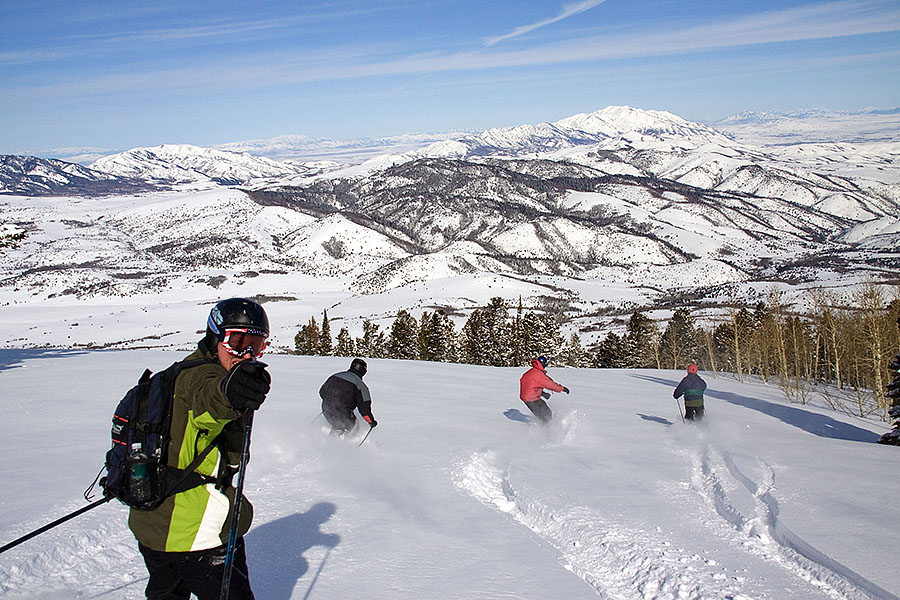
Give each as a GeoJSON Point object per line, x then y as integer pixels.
{"type": "Point", "coordinates": [531, 389]}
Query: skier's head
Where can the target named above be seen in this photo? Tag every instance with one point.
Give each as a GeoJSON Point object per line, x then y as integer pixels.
{"type": "Point", "coordinates": [239, 326]}
{"type": "Point", "coordinates": [359, 367]}
{"type": "Point", "coordinates": [692, 368]}
{"type": "Point", "coordinates": [543, 360]}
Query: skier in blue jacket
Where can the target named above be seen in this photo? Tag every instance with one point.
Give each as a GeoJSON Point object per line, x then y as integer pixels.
{"type": "Point", "coordinates": [692, 387]}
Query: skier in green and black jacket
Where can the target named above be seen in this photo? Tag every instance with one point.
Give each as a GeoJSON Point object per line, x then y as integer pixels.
{"type": "Point", "coordinates": [184, 541]}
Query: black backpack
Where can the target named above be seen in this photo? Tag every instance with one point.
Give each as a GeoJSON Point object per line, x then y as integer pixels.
{"type": "Point", "coordinates": [137, 473]}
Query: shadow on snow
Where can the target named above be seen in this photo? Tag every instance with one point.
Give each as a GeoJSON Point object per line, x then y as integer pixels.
{"type": "Point", "coordinates": [275, 551]}
{"type": "Point", "coordinates": [514, 414]}
{"type": "Point", "coordinates": [816, 424]}
{"type": "Point", "coordinates": [15, 358]}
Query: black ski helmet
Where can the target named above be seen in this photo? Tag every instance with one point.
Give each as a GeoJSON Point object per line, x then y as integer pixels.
{"type": "Point", "coordinates": [359, 367]}
{"type": "Point", "coordinates": [237, 313]}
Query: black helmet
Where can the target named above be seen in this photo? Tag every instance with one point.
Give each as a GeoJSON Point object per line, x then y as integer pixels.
{"type": "Point", "coordinates": [237, 313]}
{"type": "Point", "coordinates": [359, 367]}
{"type": "Point", "coordinates": [542, 360]}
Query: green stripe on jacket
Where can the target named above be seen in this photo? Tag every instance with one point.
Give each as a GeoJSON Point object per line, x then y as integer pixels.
{"type": "Point", "coordinates": [199, 518]}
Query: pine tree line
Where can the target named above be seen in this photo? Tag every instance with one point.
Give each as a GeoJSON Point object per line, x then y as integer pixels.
{"type": "Point", "coordinates": [840, 353]}
{"type": "Point", "coordinates": [490, 336]}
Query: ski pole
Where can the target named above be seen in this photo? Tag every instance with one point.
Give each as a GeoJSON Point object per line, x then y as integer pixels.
{"type": "Point", "coordinates": [238, 496]}
{"type": "Point", "coordinates": [365, 438]}
{"type": "Point", "coordinates": [59, 521]}
{"type": "Point", "coordinates": [317, 417]}
{"type": "Point", "coordinates": [679, 410]}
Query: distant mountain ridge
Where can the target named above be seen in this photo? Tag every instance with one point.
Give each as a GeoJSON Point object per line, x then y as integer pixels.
{"type": "Point", "coordinates": [596, 214]}
{"type": "Point", "coordinates": [30, 176]}
{"type": "Point", "coordinates": [813, 126]}
{"type": "Point", "coordinates": [185, 163]}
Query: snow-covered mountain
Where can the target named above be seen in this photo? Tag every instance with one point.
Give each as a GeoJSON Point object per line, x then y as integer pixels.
{"type": "Point", "coordinates": [305, 149]}
{"type": "Point", "coordinates": [614, 126]}
{"type": "Point", "coordinates": [185, 163]}
{"type": "Point", "coordinates": [31, 176]}
{"type": "Point", "coordinates": [600, 213]}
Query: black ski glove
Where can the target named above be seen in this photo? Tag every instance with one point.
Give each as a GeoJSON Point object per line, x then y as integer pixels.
{"type": "Point", "coordinates": [545, 395]}
{"type": "Point", "coordinates": [246, 385]}
{"type": "Point", "coordinates": [565, 389]}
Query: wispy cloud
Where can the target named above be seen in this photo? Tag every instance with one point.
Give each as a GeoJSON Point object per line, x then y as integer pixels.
{"type": "Point", "coordinates": [568, 10]}
{"type": "Point", "coordinates": [267, 69]}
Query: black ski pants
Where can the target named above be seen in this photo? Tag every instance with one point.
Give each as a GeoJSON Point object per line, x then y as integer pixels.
{"type": "Point", "coordinates": [540, 410]}
{"type": "Point", "coordinates": [693, 413]}
{"type": "Point", "coordinates": [175, 575]}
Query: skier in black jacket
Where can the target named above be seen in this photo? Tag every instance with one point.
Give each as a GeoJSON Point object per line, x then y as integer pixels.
{"type": "Point", "coordinates": [342, 393]}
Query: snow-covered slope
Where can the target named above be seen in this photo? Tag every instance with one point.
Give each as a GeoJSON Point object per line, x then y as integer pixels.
{"type": "Point", "coordinates": [456, 495]}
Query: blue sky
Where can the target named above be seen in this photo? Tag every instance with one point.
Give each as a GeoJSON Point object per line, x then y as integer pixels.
{"type": "Point", "coordinates": [118, 75]}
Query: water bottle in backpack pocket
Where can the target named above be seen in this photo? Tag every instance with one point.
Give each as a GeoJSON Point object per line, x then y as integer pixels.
{"type": "Point", "coordinates": [142, 476]}
{"type": "Point", "coordinates": [137, 473]}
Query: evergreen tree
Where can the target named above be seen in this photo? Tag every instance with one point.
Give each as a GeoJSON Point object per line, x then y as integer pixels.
{"type": "Point", "coordinates": [517, 356]}
{"type": "Point", "coordinates": [326, 348]}
{"type": "Point", "coordinates": [372, 343]}
{"type": "Point", "coordinates": [403, 339]}
{"type": "Point", "coordinates": [425, 333]}
{"type": "Point", "coordinates": [471, 340]}
{"type": "Point", "coordinates": [541, 336]}
{"type": "Point", "coordinates": [732, 339]}
{"type": "Point", "coordinates": [678, 344]}
{"type": "Point", "coordinates": [611, 352]}
{"type": "Point", "coordinates": [893, 392]}
{"type": "Point", "coordinates": [307, 339]}
{"type": "Point", "coordinates": [437, 337]}
{"type": "Point", "coordinates": [445, 333]}
{"type": "Point", "coordinates": [641, 343]}
{"type": "Point", "coordinates": [345, 345]}
{"type": "Point", "coordinates": [574, 355]}
{"type": "Point", "coordinates": [496, 332]}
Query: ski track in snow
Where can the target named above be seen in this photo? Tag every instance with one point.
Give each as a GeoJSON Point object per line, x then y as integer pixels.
{"type": "Point", "coordinates": [103, 563]}
{"type": "Point", "coordinates": [763, 533]}
{"type": "Point", "coordinates": [624, 563]}
{"type": "Point", "coordinates": [617, 562]}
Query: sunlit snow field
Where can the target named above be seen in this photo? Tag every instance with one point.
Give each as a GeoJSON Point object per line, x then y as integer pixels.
{"type": "Point", "coordinates": [456, 495]}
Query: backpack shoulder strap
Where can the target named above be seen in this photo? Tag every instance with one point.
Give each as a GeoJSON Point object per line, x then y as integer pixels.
{"type": "Point", "coordinates": [180, 480]}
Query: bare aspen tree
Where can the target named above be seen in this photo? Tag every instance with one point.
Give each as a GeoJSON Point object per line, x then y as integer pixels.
{"type": "Point", "coordinates": [733, 314]}
{"type": "Point", "coordinates": [827, 328]}
{"type": "Point", "coordinates": [874, 334]}
{"type": "Point", "coordinates": [710, 350]}
{"type": "Point", "coordinates": [776, 336]}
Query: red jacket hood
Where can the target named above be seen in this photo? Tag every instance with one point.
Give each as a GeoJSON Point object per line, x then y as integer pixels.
{"type": "Point", "coordinates": [537, 364]}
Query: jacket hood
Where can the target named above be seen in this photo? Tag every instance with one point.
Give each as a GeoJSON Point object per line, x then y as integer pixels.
{"type": "Point", "coordinates": [207, 347]}
{"type": "Point", "coordinates": [536, 364]}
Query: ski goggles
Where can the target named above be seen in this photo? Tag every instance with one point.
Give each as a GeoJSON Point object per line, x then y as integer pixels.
{"type": "Point", "coordinates": [243, 342]}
